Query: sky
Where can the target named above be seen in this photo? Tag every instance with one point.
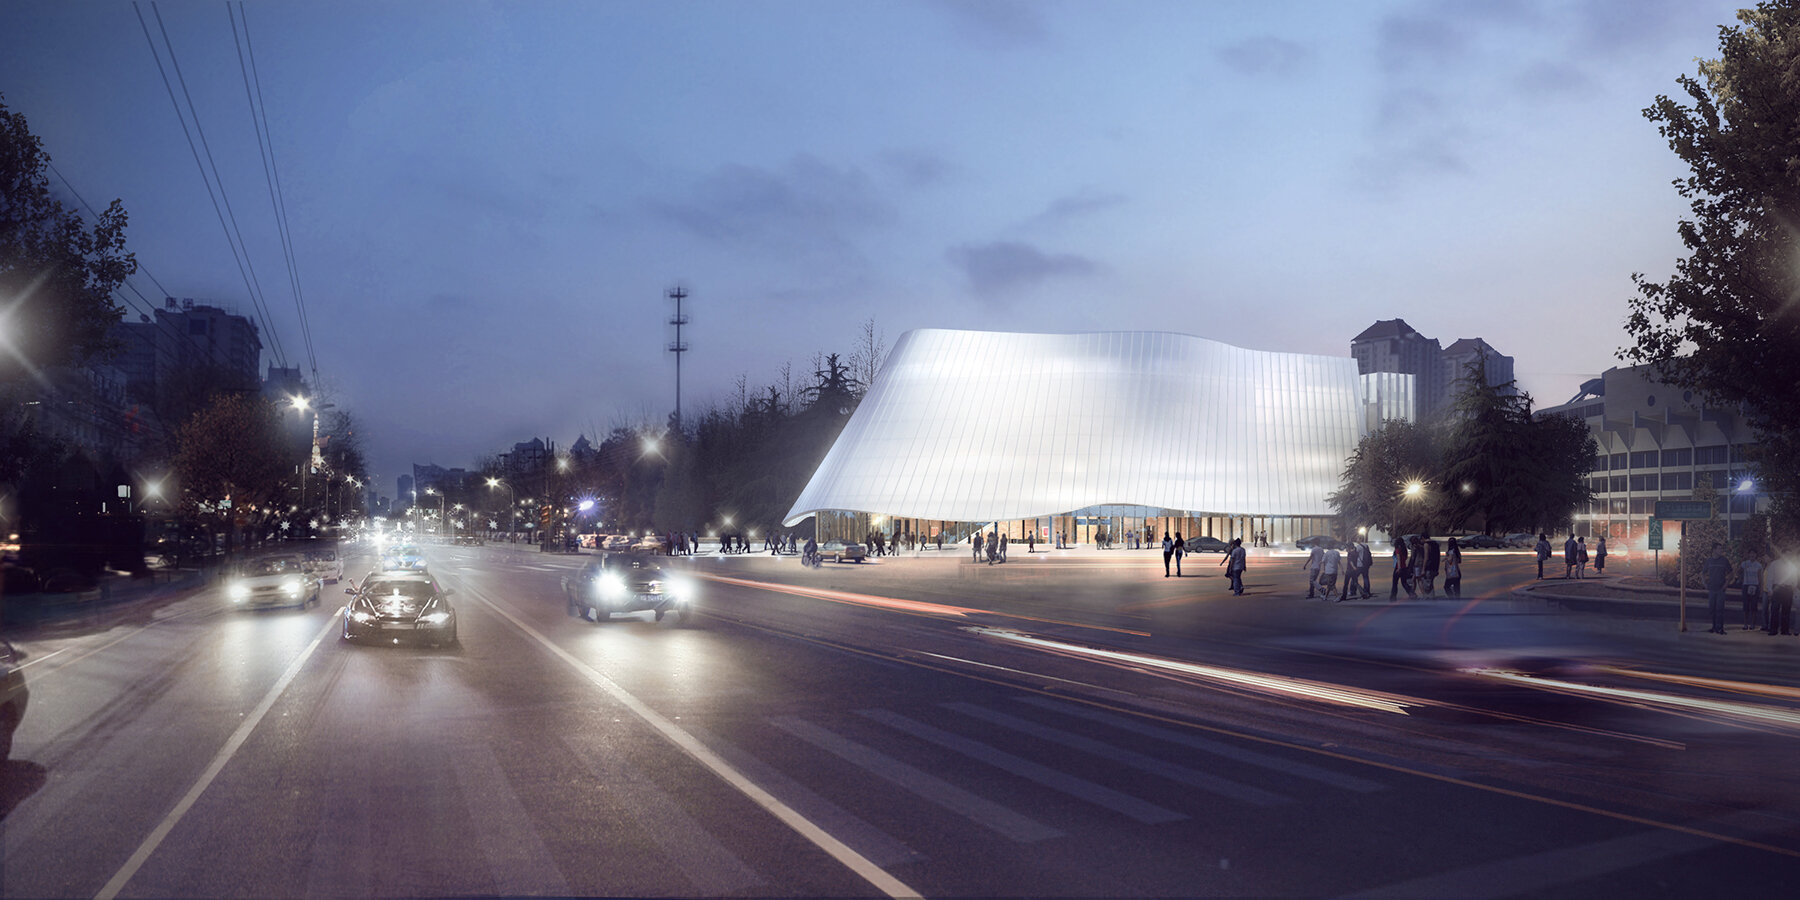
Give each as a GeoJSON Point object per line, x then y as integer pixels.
{"type": "Point", "coordinates": [488, 202]}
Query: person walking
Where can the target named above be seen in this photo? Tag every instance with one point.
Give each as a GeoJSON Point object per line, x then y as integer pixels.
{"type": "Point", "coordinates": [1569, 557]}
{"type": "Point", "coordinates": [1750, 574]}
{"type": "Point", "coordinates": [1600, 556]}
{"type": "Point", "coordinates": [1782, 578]}
{"type": "Point", "coordinates": [993, 545]}
{"type": "Point", "coordinates": [1716, 571]}
{"type": "Point", "coordinates": [1234, 565]}
{"type": "Point", "coordinates": [1314, 560]}
{"type": "Point", "coordinates": [1402, 576]}
{"type": "Point", "coordinates": [1168, 553]}
{"type": "Point", "coordinates": [975, 539]}
{"type": "Point", "coordinates": [1453, 570]}
{"type": "Point", "coordinates": [1003, 541]}
{"type": "Point", "coordinates": [1180, 551]}
{"type": "Point", "coordinates": [1433, 560]}
{"type": "Point", "coordinates": [1543, 553]}
{"type": "Point", "coordinates": [1354, 567]}
{"type": "Point", "coordinates": [1328, 573]}
{"type": "Point", "coordinates": [1581, 557]}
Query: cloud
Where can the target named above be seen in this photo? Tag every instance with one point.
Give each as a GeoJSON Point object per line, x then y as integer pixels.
{"type": "Point", "coordinates": [1267, 56]}
{"type": "Point", "coordinates": [1079, 205]}
{"type": "Point", "coordinates": [1000, 22]}
{"type": "Point", "coordinates": [1005, 266]}
{"type": "Point", "coordinates": [917, 168]}
{"type": "Point", "coordinates": [806, 201]}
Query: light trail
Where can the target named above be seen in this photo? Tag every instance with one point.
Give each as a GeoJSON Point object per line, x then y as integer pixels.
{"type": "Point", "coordinates": [1268, 684]}
{"type": "Point", "coordinates": [896, 604]}
{"type": "Point", "coordinates": [1762, 714]}
{"type": "Point", "coordinates": [1780, 691]}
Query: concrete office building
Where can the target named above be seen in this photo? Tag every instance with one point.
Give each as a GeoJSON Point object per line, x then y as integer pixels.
{"type": "Point", "coordinates": [1080, 434]}
{"type": "Point", "coordinates": [1655, 441]}
{"type": "Point", "coordinates": [1391, 345]}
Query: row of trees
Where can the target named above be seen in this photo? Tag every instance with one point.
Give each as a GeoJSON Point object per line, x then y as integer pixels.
{"type": "Point", "coordinates": [1488, 465]}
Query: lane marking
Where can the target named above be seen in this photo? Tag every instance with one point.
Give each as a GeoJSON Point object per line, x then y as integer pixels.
{"type": "Point", "coordinates": [237, 739]}
{"type": "Point", "coordinates": [836, 849]}
{"type": "Point", "coordinates": [895, 604]}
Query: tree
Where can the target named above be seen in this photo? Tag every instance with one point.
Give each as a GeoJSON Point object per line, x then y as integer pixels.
{"type": "Point", "coordinates": [1727, 323]}
{"type": "Point", "coordinates": [1387, 462]}
{"type": "Point", "coordinates": [1486, 479]}
{"type": "Point", "coordinates": [235, 450]}
{"type": "Point", "coordinates": [57, 277]}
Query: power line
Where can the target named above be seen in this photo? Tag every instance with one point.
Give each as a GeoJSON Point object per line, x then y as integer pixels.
{"type": "Point", "coordinates": [265, 143]}
{"type": "Point", "coordinates": [245, 269]}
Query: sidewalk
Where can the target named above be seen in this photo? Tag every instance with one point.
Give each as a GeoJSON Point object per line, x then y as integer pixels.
{"type": "Point", "coordinates": [116, 594]}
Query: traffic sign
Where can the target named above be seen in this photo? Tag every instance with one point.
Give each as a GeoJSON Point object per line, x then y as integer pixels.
{"type": "Point", "coordinates": [1654, 541]}
{"type": "Point", "coordinates": [1684, 509]}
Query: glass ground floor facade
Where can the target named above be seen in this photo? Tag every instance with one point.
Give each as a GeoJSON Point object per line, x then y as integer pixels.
{"type": "Point", "coordinates": [1085, 527]}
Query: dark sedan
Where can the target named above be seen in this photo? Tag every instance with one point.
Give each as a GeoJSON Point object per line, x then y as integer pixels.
{"type": "Point", "coordinates": [1207, 544]}
{"type": "Point", "coordinates": [626, 582]}
{"type": "Point", "coordinates": [396, 606]}
{"type": "Point", "coordinates": [1323, 542]}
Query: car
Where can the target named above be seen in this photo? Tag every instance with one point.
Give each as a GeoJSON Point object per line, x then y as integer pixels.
{"type": "Point", "coordinates": [469, 540]}
{"type": "Point", "coordinates": [842, 551]}
{"type": "Point", "coordinates": [616, 542]}
{"type": "Point", "coordinates": [396, 606]}
{"type": "Point", "coordinates": [275, 580]}
{"type": "Point", "coordinates": [13, 697]}
{"type": "Point", "coordinates": [1323, 542]}
{"type": "Point", "coordinates": [322, 561]}
{"type": "Point", "coordinates": [403, 558]}
{"type": "Point", "coordinates": [627, 582]}
{"type": "Point", "coordinates": [1482, 542]}
{"type": "Point", "coordinates": [1522, 540]}
{"type": "Point", "coordinates": [1207, 544]}
{"type": "Point", "coordinates": [649, 543]}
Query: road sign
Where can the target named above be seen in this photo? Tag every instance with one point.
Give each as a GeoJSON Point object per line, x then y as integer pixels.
{"type": "Point", "coordinates": [1655, 535]}
{"type": "Point", "coordinates": [1684, 509]}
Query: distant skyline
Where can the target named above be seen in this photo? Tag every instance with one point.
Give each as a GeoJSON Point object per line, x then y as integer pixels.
{"type": "Point", "coordinates": [487, 201]}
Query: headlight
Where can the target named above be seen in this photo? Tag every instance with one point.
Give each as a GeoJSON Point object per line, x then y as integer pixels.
{"type": "Point", "coordinates": [679, 587]}
{"type": "Point", "coordinates": [238, 591]}
{"type": "Point", "coordinates": [611, 585]}
{"type": "Point", "coordinates": [436, 618]}
{"type": "Point", "coordinates": [291, 587]}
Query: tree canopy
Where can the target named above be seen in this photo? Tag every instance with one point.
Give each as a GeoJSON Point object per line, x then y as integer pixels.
{"type": "Point", "coordinates": [57, 276]}
{"type": "Point", "coordinates": [1727, 322]}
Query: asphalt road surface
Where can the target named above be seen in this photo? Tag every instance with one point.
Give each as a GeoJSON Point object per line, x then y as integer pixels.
{"type": "Point", "coordinates": [1056, 726]}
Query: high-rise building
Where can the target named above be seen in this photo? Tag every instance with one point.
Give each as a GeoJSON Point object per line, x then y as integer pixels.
{"type": "Point", "coordinates": [1391, 345]}
{"type": "Point", "coordinates": [187, 340]}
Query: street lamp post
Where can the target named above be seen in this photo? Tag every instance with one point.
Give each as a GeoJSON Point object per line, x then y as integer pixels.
{"type": "Point", "coordinates": [440, 496]}
{"type": "Point", "coordinates": [512, 505]}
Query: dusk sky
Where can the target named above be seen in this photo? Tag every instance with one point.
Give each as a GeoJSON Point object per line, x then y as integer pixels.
{"type": "Point", "coordinates": [488, 201]}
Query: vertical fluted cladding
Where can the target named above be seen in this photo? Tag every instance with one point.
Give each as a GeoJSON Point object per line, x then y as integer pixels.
{"type": "Point", "coordinates": [984, 426]}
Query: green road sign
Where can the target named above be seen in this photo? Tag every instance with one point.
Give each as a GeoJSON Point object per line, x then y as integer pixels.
{"type": "Point", "coordinates": [1684, 509]}
{"type": "Point", "coordinates": [1655, 535]}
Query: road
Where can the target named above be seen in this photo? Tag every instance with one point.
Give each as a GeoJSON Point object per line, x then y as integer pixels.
{"type": "Point", "coordinates": [1060, 725]}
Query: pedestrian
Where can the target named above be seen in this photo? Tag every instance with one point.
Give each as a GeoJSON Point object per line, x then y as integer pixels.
{"type": "Point", "coordinates": [1600, 556]}
{"type": "Point", "coordinates": [1402, 576]}
{"type": "Point", "coordinates": [1750, 574]}
{"type": "Point", "coordinates": [1453, 570]}
{"type": "Point", "coordinates": [1569, 547]}
{"type": "Point", "coordinates": [1581, 557]}
{"type": "Point", "coordinates": [1782, 579]}
{"type": "Point", "coordinates": [1716, 570]}
{"type": "Point", "coordinates": [940, 541]}
{"type": "Point", "coordinates": [1433, 560]}
{"type": "Point", "coordinates": [1234, 565]}
{"type": "Point", "coordinates": [993, 545]}
{"type": "Point", "coordinates": [1180, 551]}
{"type": "Point", "coordinates": [975, 539]}
{"type": "Point", "coordinates": [1031, 540]}
{"type": "Point", "coordinates": [1168, 552]}
{"type": "Point", "coordinates": [1543, 553]}
{"type": "Point", "coordinates": [1314, 560]}
{"type": "Point", "coordinates": [1352, 565]}
{"type": "Point", "coordinates": [1328, 573]}
{"type": "Point", "coordinates": [1003, 540]}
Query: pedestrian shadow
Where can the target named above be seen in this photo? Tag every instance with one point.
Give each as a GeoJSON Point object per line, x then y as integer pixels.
{"type": "Point", "coordinates": [19, 779]}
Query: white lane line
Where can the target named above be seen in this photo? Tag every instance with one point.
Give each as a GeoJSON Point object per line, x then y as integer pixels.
{"type": "Point", "coordinates": [820, 838]}
{"type": "Point", "coordinates": [1079, 788]}
{"type": "Point", "coordinates": [1205, 781]}
{"type": "Point", "coordinates": [237, 739]}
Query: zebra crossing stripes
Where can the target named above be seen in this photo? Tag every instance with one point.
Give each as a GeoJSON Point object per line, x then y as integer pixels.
{"type": "Point", "coordinates": [1080, 788]}
{"type": "Point", "coordinates": [929, 787]}
{"type": "Point", "coordinates": [1180, 774]}
{"type": "Point", "coordinates": [1287, 767]}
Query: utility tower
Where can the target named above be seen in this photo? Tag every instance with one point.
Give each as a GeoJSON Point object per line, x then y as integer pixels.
{"type": "Point", "coordinates": [678, 347]}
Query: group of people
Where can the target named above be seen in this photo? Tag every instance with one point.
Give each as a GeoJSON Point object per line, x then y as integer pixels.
{"type": "Point", "coordinates": [1418, 561]}
{"type": "Point", "coordinates": [1575, 555]}
{"type": "Point", "coordinates": [993, 545]}
{"type": "Point", "coordinates": [1767, 590]}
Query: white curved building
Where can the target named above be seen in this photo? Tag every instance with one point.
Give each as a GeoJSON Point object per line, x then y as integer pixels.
{"type": "Point", "coordinates": [1071, 433]}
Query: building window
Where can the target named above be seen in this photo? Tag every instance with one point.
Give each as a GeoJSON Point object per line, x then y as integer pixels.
{"type": "Point", "coordinates": [1716, 455]}
{"type": "Point", "coordinates": [1618, 460]}
{"type": "Point", "coordinates": [1681, 457]}
{"type": "Point", "coordinates": [1643, 505]}
{"type": "Point", "coordinates": [1598, 485]}
{"type": "Point", "coordinates": [1618, 484]}
{"type": "Point", "coordinates": [1645, 459]}
{"type": "Point", "coordinates": [1643, 483]}
{"type": "Point", "coordinates": [1677, 481]}
{"type": "Point", "coordinates": [1599, 463]}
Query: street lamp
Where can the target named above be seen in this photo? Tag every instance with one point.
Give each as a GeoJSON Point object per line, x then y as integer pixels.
{"type": "Point", "coordinates": [512, 505]}
{"type": "Point", "coordinates": [440, 496]}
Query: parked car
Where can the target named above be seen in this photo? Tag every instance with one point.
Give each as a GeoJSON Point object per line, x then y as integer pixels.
{"type": "Point", "coordinates": [275, 580]}
{"type": "Point", "coordinates": [843, 551]}
{"type": "Point", "coordinates": [1522, 540]}
{"type": "Point", "coordinates": [626, 582]}
{"type": "Point", "coordinates": [1323, 542]}
{"type": "Point", "coordinates": [398, 606]}
{"type": "Point", "coordinates": [13, 697]}
{"type": "Point", "coordinates": [1207, 544]}
{"type": "Point", "coordinates": [1482, 542]}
